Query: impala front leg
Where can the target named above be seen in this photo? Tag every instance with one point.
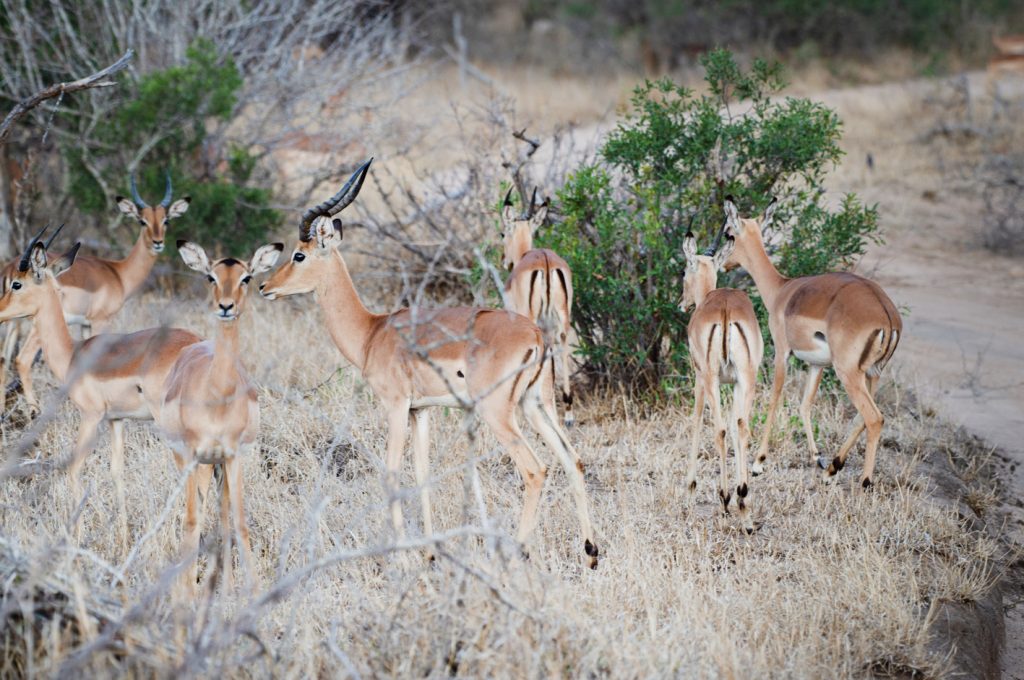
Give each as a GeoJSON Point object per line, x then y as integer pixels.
{"type": "Point", "coordinates": [778, 382]}
{"type": "Point", "coordinates": [398, 429]}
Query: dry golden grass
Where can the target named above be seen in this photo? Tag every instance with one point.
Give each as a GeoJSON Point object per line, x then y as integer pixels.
{"type": "Point", "coordinates": [835, 583]}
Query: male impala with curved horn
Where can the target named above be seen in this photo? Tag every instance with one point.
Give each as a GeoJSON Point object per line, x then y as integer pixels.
{"type": "Point", "coordinates": [208, 410]}
{"type": "Point", "coordinates": [109, 377]}
{"type": "Point", "coordinates": [95, 289]}
{"type": "Point", "coordinates": [416, 358]}
{"type": "Point", "coordinates": [838, 319]}
{"type": "Point", "coordinates": [725, 346]}
{"type": "Point", "coordinates": [540, 284]}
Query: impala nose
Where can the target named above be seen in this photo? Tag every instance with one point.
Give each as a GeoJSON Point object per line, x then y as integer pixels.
{"type": "Point", "coordinates": [158, 246]}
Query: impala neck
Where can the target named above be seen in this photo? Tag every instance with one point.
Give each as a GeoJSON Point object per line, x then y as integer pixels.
{"type": "Point", "coordinates": [519, 248]}
{"type": "Point", "coordinates": [224, 367]}
{"type": "Point", "coordinates": [704, 285]}
{"type": "Point", "coordinates": [348, 320]}
{"type": "Point", "coordinates": [54, 335]}
{"type": "Point", "coordinates": [766, 277]}
{"type": "Point", "coordinates": [134, 269]}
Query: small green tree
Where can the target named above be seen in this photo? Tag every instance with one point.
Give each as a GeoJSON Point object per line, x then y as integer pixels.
{"type": "Point", "coordinates": [666, 170]}
{"type": "Point", "coordinates": [171, 112]}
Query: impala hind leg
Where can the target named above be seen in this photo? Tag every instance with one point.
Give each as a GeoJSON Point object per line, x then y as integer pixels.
{"type": "Point", "coordinates": [778, 382]}
{"type": "Point", "coordinates": [563, 353]}
{"type": "Point", "coordinates": [861, 390]}
{"type": "Point", "coordinates": [539, 407]}
{"type": "Point", "coordinates": [814, 374]}
{"type": "Point", "coordinates": [714, 398]}
{"type": "Point", "coordinates": [499, 414]}
{"type": "Point", "coordinates": [421, 463]}
{"type": "Point", "coordinates": [695, 428]}
{"type": "Point", "coordinates": [742, 404]}
{"type": "Point", "coordinates": [26, 357]}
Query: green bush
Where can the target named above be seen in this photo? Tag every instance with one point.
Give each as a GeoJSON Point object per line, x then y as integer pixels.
{"type": "Point", "coordinates": [680, 154]}
{"type": "Point", "coordinates": [175, 105]}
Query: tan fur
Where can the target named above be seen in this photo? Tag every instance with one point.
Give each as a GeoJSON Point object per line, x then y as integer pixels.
{"type": "Point", "coordinates": [110, 377]}
{"type": "Point", "coordinates": [94, 289]}
{"type": "Point", "coordinates": [838, 319]}
{"type": "Point", "coordinates": [540, 288]}
{"type": "Point", "coordinates": [415, 358]}
{"type": "Point", "coordinates": [209, 412]}
{"type": "Point", "coordinates": [725, 346]}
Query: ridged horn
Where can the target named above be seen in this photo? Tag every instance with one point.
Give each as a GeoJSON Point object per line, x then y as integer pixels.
{"type": "Point", "coordinates": [23, 265]}
{"type": "Point", "coordinates": [713, 248]}
{"type": "Point", "coordinates": [533, 204]}
{"type": "Point", "coordinates": [167, 194]}
{"type": "Point", "coordinates": [135, 193]}
{"type": "Point", "coordinates": [336, 203]}
{"type": "Point", "coordinates": [53, 236]}
{"type": "Point", "coordinates": [508, 197]}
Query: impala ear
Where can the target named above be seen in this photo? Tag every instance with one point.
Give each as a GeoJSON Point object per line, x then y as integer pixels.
{"type": "Point", "coordinates": [64, 262]}
{"type": "Point", "coordinates": [265, 258]}
{"type": "Point", "coordinates": [179, 207]}
{"type": "Point", "coordinates": [37, 260]}
{"type": "Point", "coordinates": [327, 232]}
{"type": "Point", "coordinates": [724, 251]}
{"type": "Point", "coordinates": [126, 206]}
{"type": "Point", "coordinates": [732, 215]}
{"type": "Point", "coordinates": [689, 247]}
{"type": "Point", "coordinates": [538, 217]}
{"type": "Point", "coordinates": [194, 256]}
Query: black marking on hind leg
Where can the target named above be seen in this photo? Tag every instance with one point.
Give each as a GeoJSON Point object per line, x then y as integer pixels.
{"type": "Point", "coordinates": [867, 484]}
{"type": "Point", "coordinates": [741, 495]}
{"type": "Point", "coordinates": [590, 548]}
{"type": "Point", "coordinates": [693, 485]}
{"type": "Point", "coordinates": [567, 398]}
{"type": "Point", "coordinates": [836, 466]}
{"type": "Point", "coordinates": [726, 497]}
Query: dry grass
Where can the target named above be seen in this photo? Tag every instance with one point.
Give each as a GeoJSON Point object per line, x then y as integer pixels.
{"type": "Point", "coordinates": [834, 583]}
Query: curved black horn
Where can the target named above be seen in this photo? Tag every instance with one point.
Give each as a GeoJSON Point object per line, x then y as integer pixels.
{"type": "Point", "coordinates": [508, 196]}
{"type": "Point", "coordinates": [135, 193]}
{"type": "Point", "coordinates": [167, 194]}
{"type": "Point", "coordinates": [53, 236]}
{"type": "Point", "coordinates": [713, 248]}
{"type": "Point", "coordinates": [23, 265]}
{"type": "Point", "coordinates": [336, 203]}
{"type": "Point", "coordinates": [532, 208]}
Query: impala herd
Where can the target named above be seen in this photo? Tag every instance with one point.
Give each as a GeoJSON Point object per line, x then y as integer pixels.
{"type": "Point", "coordinates": [488, 360]}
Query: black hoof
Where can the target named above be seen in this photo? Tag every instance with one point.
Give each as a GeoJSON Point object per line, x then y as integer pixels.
{"type": "Point", "coordinates": [867, 484]}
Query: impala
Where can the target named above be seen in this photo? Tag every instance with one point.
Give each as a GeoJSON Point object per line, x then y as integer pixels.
{"type": "Point", "coordinates": [725, 346]}
{"type": "Point", "coordinates": [108, 377]}
{"type": "Point", "coordinates": [416, 358]}
{"type": "Point", "coordinates": [838, 319]}
{"type": "Point", "coordinates": [540, 284]}
{"type": "Point", "coordinates": [208, 410]}
{"type": "Point", "coordinates": [95, 289]}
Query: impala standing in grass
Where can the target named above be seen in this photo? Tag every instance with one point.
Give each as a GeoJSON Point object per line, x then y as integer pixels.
{"type": "Point", "coordinates": [838, 319]}
{"type": "Point", "coordinates": [209, 412]}
{"type": "Point", "coordinates": [725, 346]}
{"type": "Point", "coordinates": [95, 289]}
{"type": "Point", "coordinates": [110, 377]}
{"type": "Point", "coordinates": [539, 285]}
{"type": "Point", "coordinates": [414, 358]}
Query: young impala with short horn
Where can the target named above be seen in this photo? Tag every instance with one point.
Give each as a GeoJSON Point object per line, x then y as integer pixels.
{"type": "Point", "coordinates": [725, 347]}
{"type": "Point", "coordinates": [540, 284]}
{"type": "Point", "coordinates": [209, 412]}
{"type": "Point", "coordinates": [95, 289]}
{"type": "Point", "coordinates": [110, 377]}
{"type": "Point", "coordinates": [837, 319]}
{"type": "Point", "coordinates": [417, 358]}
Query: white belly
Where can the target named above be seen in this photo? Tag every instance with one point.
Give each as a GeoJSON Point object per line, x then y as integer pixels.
{"type": "Point", "coordinates": [821, 355]}
{"type": "Point", "coordinates": [448, 400]}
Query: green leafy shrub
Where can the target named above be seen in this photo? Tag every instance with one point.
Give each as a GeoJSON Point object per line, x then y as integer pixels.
{"type": "Point", "coordinates": [171, 111]}
{"type": "Point", "coordinates": [666, 170]}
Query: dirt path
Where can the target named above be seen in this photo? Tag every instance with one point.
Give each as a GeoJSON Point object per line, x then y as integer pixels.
{"type": "Point", "coordinates": [962, 348]}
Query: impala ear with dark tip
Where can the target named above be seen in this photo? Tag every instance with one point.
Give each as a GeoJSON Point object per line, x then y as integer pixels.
{"type": "Point", "coordinates": [337, 227]}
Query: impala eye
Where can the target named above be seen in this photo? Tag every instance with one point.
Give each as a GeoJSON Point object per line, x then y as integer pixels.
{"type": "Point", "coordinates": [299, 257]}
{"type": "Point", "coordinates": [16, 285]}
{"type": "Point", "coordinates": [246, 280]}
{"type": "Point", "coordinates": [209, 277]}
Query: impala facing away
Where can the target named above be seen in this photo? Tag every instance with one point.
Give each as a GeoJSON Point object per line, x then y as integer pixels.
{"type": "Point", "coordinates": [416, 358]}
{"type": "Point", "coordinates": [108, 377]}
{"type": "Point", "coordinates": [540, 284]}
{"type": "Point", "coordinates": [208, 409]}
{"type": "Point", "coordinates": [838, 319]}
{"type": "Point", "coordinates": [95, 289]}
{"type": "Point", "coordinates": [725, 346]}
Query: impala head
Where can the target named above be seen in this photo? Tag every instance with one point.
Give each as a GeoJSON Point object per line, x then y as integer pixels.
{"type": "Point", "coordinates": [701, 273]}
{"type": "Point", "coordinates": [518, 230]}
{"type": "Point", "coordinates": [229, 278]}
{"type": "Point", "coordinates": [748, 232]}
{"type": "Point", "coordinates": [33, 278]}
{"type": "Point", "coordinates": [320, 235]}
{"type": "Point", "coordinates": [153, 218]}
